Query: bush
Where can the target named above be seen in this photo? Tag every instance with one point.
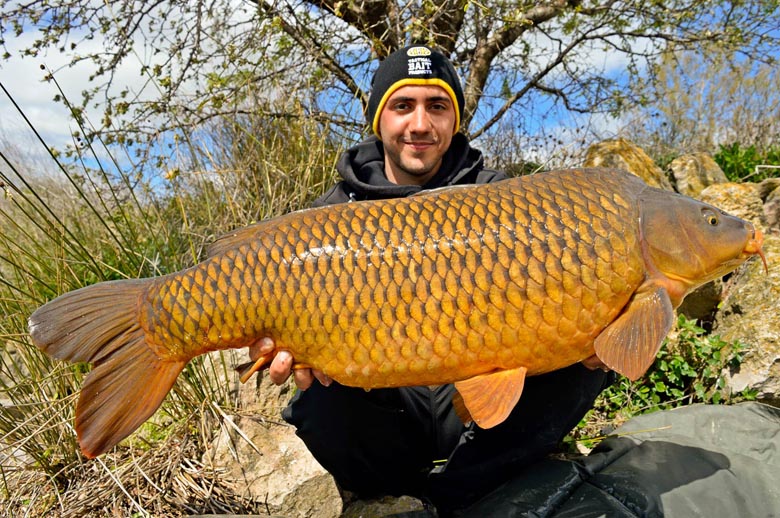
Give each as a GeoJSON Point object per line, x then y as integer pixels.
{"type": "Point", "coordinates": [739, 163]}
{"type": "Point", "coordinates": [688, 369]}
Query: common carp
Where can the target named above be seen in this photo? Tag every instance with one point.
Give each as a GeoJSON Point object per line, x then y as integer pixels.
{"type": "Point", "coordinates": [476, 285]}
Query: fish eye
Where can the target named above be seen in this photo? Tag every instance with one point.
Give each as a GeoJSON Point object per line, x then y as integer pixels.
{"type": "Point", "coordinates": [711, 217]}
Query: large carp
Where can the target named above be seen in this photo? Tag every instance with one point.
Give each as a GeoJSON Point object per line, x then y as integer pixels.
{"type": "Point", "coordinates": [478, 285]}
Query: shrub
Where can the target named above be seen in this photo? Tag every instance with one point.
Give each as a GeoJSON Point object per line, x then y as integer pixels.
{"type": "Point", "coordinates": [739, 163]}
{"type": "Point", "coordinates": [688, 369]}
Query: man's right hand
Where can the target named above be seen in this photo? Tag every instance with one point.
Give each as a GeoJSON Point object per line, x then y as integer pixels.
{"type": "Point", "coordinates": [282, 367]}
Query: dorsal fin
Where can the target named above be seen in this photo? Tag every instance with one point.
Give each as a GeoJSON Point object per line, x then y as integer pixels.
{"type": "Point", "coordinates": [233, 239]}
{"type": "Point", "coordinates": [239, 236]}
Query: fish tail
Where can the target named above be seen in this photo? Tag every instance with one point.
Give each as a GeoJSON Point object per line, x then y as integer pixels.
{"type": "Point", "coordinates": [99, 324]}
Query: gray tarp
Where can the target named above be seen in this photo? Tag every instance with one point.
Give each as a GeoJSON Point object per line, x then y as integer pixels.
{"type": "Point", "coordinates": [702, 460]}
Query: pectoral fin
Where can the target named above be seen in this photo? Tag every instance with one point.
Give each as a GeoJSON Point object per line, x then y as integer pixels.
{"type": "Point", "coordinates": [488, 399]}
{"type": "Point", "coordinates": [630, 343]}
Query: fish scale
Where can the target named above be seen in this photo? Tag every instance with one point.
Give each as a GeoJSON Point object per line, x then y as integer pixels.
{"type": "Point", "coordinates": [478, 285]}
{"type": "Point", "coordinates": [401, 285]}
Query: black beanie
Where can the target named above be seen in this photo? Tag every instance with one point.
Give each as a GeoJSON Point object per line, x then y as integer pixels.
{"type": "Point", "coordinates": [415, 65]}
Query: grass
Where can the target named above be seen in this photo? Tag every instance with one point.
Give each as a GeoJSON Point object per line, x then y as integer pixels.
{"type": "Point", "coordinates": [78, 224]}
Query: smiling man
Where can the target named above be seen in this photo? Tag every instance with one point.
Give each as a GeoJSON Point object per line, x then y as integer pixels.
{"type": "Point", "coordinates": [409, 440]}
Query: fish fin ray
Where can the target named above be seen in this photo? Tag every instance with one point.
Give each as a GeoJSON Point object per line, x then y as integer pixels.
{"type": "Point", "coordinates": [489, 398]}
{"type": "Point", "coordinates": [234, 238]}
{"type": "Point", "coordinates": [82, 325]}
{"type": "Point", "coordinates": [99, 324]}
{"type": "Point", "coordinates": [630, 344]}
{"type": "Point", "coordinates": [240, 236]}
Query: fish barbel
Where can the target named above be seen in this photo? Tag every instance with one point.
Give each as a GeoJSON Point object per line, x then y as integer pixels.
{"type": "Point", "coordinates": [476, 285]}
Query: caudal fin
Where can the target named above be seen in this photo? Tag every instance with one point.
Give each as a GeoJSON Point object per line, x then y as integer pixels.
{"type": "Point", "coordinates": [99, 324]}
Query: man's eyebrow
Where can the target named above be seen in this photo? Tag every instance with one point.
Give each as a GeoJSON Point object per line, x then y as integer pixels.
{"type": "Point", "coordinates": [433, 98]}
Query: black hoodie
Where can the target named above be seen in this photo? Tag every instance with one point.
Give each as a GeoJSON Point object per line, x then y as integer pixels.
{"type": "Point", "coordinates": [362, 168]}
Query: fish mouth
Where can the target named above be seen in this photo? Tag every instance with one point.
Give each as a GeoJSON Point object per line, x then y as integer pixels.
{"type": "Point", "coordinates": [753, 247]}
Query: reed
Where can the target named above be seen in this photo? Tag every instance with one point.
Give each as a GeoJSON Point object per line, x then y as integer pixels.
{"type": "Point", "coordinates": [67, 225]}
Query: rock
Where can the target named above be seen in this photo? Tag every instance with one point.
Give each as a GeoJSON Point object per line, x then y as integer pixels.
{"type": "Point", "coordinates": [738, 199]}
{"type": "Point", "coordinates": [702, 303]}
{"type": "Point", "coordinates": [623, 154]}
{"type": "Point", "coordinates": [770, 193]}
{"type": "Point", "coordinates": [275, 468]}
{"type": "Point", "coordinates": [258, 396]}
{"type": "Point", "coordinates": [749, 314]}
{"type": "Point", "coordinates": [693, 173]}
{"type": "Point", "coordinates": [280, 472]}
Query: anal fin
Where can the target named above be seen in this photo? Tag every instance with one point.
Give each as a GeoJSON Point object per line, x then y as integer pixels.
{"type": "Point", "coordinates": [488, 399]}
{"type": "Point", "coordinates": [630, 343]}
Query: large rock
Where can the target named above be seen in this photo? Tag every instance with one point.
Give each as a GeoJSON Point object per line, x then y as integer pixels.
{"type": "Point", "coordinates": [261, 455]}
{"type": "Point", "coordinates": [623, 154]}
{"type": "Point", "coordinates": [750, 314]}
{"type": "Point", "coordinates": [693, 173]}
{"type": "Point", "coordinates": [386, 506]}
{"type": "Point", "coordinates": [266, 462]}
{"type": "Point", "coordinates": [770, 194]}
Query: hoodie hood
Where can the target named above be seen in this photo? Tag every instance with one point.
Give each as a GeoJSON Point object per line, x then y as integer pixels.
{"type": "Point", "coordinates": [363, 169]}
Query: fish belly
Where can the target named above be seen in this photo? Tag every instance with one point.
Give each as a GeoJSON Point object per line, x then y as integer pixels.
{"type": "Point", "coordinates": [428, 289]}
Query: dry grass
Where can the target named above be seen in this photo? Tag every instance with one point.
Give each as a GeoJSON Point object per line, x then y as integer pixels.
{"type": "Point", "coordinates": [167, 480]}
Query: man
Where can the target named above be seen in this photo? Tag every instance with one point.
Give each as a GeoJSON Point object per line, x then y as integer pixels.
{"type": "Point", "coordinates": [409, 440]}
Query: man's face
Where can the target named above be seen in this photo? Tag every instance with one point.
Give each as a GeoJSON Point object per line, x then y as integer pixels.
{"type": "Point", "coordinates": [416, 126]}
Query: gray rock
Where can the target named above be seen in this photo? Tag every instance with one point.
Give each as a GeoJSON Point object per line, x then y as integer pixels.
{"type": "Point", "coordinates": [750, 314]}
{"type": "Point", "coordinates": [261, 455]}
{"type": "Point", "coordinates": [695, 172]}
{"type": "Point", "coordinates": [770, 193]}
{"type": "Point", "coordinates": [267, 462]}
{"type": "Point", "coordinates": [386, 506]}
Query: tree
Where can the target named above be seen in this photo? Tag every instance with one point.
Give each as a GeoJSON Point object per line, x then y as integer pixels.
{"type": "Point", "coordinates": [712, 98]}
{"type": "Point", "coordinates": [223, 58]}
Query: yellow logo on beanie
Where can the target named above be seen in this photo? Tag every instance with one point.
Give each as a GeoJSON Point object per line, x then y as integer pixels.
{"type": "Point", "coordinates": [418, 51]}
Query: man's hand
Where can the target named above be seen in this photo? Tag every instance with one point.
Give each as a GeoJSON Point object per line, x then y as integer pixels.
{"type": "Point", "coordinates": [282, 366]}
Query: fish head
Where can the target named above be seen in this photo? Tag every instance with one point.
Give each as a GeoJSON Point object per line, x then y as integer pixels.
{"type": "Point", "coordinates": [687, 243]}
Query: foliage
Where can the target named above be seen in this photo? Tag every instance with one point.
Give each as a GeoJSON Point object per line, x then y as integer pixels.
{"type": "Point", "coordinates": [739, 163]}
{"type": "Point", "coordinates": [202, 60]}
{"type": "Point", "coordinates": [687, 370]}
